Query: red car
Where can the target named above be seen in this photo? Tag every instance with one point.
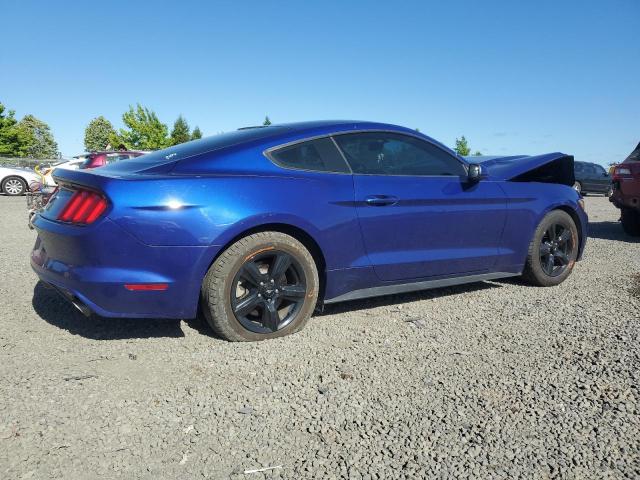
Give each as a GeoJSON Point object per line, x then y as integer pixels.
{"type": "Point", "coordinates": [100, 159]}
{"type": "Point", "coordinates": [626, 192]}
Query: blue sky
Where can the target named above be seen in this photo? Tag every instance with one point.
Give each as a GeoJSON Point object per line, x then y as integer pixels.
{"type": "Point", "coordinates": [513, 77]}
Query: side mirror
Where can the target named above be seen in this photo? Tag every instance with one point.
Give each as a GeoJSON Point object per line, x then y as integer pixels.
{"type": "Point", "coordinates": [474, 173]}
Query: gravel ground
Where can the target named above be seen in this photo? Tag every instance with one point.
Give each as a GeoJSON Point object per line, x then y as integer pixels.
{"type": "Point", "coordinates": [492, 380]}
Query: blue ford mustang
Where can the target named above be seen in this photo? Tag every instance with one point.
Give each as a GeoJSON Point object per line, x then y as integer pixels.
{"type": "Point", "coordinates": [258, 227]}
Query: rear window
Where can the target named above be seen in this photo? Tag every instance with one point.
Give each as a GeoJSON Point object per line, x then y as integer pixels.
{"type": "Point", "coordinates": [319, 155]}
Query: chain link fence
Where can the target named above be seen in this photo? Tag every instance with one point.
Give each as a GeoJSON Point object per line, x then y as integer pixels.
{"type": "Point", "coordinates": [27, 162]}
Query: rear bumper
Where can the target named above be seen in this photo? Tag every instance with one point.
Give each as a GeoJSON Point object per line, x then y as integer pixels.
{"type": "Point", "coordinates": [626, 193]}
{"type": "Point", "coordinates": [91, 265]}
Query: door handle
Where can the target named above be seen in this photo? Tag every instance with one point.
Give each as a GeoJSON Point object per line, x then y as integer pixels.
{"type": "Point", "coordinates": [381, 200]}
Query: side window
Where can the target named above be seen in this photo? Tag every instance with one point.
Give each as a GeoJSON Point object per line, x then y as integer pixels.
{"type": "Point", "coordinates": [382, 153]}
{"type": "Point", "coordinates": [590, 170]}
{"type": "Point", "coordinates": [600, 171]}
{"type": "Point", "coordinates": [118, 157]}
{"type": "Point", "coordinates": [578, 167]}
{"type": "Point", "coordinates": [320, 155]}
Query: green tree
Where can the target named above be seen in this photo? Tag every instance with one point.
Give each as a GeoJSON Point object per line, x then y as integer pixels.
{"type": "Point", "coordinates": [39, 142]}
{"type": "Point", "coordinates": [266, 122]}
{"type": "Point", "coordinates": [144, 131]}
{"type": "Point", "coordinates": [196, 134]}
{"type": "Point", "coordinates": [97, 134]}
{"type": "Point", "coordinates": [180, 132]}
{"type": "Point", "coordinates": [462, 147]}
{"type": "Point", "coordinates": [12, 139]}
{"type": "Point", "coordinates": [478, 153]}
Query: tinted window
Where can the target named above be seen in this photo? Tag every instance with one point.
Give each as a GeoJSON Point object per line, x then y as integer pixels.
{"type": "Point", "coordinates": [578, 167]}
{"type": "Point", "coordinates": [382, 153]}
{"type": "Point", "coordinates": [320, 155]}
{"type": "Point", "coordinates": [600, 170]}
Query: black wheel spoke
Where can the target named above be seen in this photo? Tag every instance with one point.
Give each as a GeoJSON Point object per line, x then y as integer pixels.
{"type": "Point", "coordinates": [270, 317]}
{"type": "Point", "coordinates": [545, 249]}
{"type": "Point", "coordinates": [247, 305]}
{"type": "Point", "coordinates": [550, 264]}
{"type": "Point", "coordinates": [564, 237]}
{"type": "Point", "coordinates": [280, 265]}
{"type": "Point", "coordinates": [291, 292]}
{"type": "Point", "coordinates": [562, 257]}
{"type": "Point", "coordinates": [251, 272]}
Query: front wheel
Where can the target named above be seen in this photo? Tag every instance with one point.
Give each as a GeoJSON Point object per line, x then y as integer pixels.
{"type": "Point", "coordinates": [263, 286]}
{"type": "Point", "coordinates": [631, 221]}
{"type": "Point", "coordinates": [577, 186]}
{"type": "Point", "coordinates": [552, 251]}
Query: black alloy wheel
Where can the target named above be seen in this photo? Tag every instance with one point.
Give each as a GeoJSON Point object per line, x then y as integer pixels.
{"type": "Point", "coordinates": [556, 248]}
{"type": "Point", "coordinates": [268, 291]}
{"type": "Point", "coordinates": [263, 286]}
{"type": "Point", "coordinates": [553, 250]}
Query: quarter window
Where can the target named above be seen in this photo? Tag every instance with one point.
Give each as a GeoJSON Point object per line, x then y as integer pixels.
{"type": "Point", "coordinates": [320, 155]}
{"type": "Point", "coordinates": [382, 153]}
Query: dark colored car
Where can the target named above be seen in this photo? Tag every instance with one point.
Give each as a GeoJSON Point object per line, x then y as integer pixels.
{"type": "Point", "coordinates": [591, 178]}
{"type": "Point", "coordinates": [259, 226]}
{"type": "Point", "coordinates": [626, 192]}
{"type": "Point", "coordinates": [101, 159]}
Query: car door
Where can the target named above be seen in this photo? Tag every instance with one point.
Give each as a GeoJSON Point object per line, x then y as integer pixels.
{"type": "Point", "coordinates": [601, 179]}
{"type": "Point", "coordinates": [590, 183]}
{"type": "Point", "coordinates": [418, 216]}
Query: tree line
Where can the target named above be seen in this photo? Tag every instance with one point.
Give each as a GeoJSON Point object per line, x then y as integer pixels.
{"type": "Point", "coordinates": [142, 130]}
{"type": "Point", "coordinates": [27, 137]}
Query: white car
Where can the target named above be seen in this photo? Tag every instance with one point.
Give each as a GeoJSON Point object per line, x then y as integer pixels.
{"type": "Point", "coordinates": [15, 180]}
{"type": "Point", "coordinates": [73, 164]}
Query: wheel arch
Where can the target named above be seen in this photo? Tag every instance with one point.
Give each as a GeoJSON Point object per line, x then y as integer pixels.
{"type": "Point", "coordinates": [576, 219]}
{"type": "Point", "coordinates": [294, 231]}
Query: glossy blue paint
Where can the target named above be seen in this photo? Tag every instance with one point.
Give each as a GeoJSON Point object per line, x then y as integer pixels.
{"type": "Point", "coordinates": [173, 211]}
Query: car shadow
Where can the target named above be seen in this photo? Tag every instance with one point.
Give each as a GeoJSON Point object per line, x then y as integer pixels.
{"type": "Point", "coordinates": [57, 311]}
{"type": "Point", "coordinates": [610, 231]}
{"type": "Point", "coordinates": [401, 298]}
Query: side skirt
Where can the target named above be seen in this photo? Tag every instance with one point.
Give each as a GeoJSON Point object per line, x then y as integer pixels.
{"type": "Point", "coordinates": [415, 286]}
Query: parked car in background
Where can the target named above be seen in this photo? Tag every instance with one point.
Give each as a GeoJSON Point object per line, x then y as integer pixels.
{"type": "Point", "coordinates": [591, 178]}
{"type": "Point", "coordinates": [15, 180]}
{"type": "Point", "coordinates": [626, 192]}
{"type": "Point", "coordinates": [258, 226]}
{"type": "Point", "coordinates": [100, 159]}
{"type": "Point", "coordinates": [72, 164]}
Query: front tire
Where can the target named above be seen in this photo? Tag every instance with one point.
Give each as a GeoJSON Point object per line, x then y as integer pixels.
{"type": "Point", "coordinates": [263, 286]}
{"type": "Point", "coordinates": [552, 251]}
{"type": "Point", "coordinates": [630, 221]}
{"type": "Point", "coordinates": [14, 186]}
{"type": "Point", "coordinates": [577, 186]}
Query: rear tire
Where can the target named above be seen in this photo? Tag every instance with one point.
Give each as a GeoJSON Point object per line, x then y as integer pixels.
{"type": "Point", "coordinates": [552, 251]}
{"type": "Point", "coordinates": [14, 186]}
{"type": "Point", "coordinates": [263, 286]}
{"type": "Point", "coordinates": [631, 221]}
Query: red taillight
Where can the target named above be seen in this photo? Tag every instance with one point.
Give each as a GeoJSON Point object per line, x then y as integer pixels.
{"type": "Point", "coordinates": [84, 207]}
